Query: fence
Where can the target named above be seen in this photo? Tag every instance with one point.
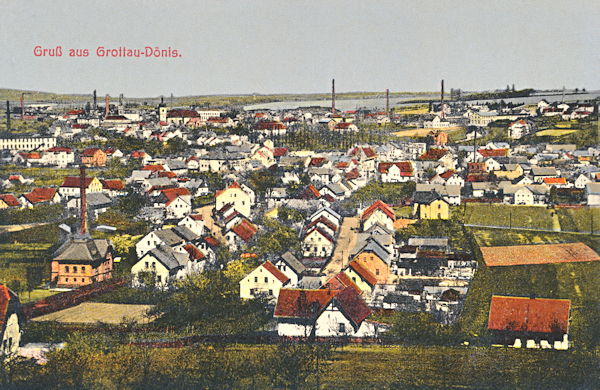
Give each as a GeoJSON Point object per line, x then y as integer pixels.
{"type": "Point", "coordinates": [72, 298]}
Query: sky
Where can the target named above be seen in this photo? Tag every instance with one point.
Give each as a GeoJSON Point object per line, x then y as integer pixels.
{"type": "Point", "coordinates": [277, 47]}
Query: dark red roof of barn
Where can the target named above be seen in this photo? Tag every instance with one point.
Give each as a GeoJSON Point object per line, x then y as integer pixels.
{"type": "Point", "coordinates": [10, 200]}
{"type": "Point", "coordinates": [433, 154]}
{"type": "Point", "coordinates": [363, 272]}
{"type": "Point", "coordinates": [529, 314]}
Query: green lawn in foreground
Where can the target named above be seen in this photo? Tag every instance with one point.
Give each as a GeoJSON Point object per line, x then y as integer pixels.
{"type": "Point", "coordinates": [354, 367]}
{"type": "Point", "coordinates": [579, 220]}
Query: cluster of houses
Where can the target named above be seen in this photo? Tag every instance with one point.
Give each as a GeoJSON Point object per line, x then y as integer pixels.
{"type": "Point", "coordinates": [325, 289]}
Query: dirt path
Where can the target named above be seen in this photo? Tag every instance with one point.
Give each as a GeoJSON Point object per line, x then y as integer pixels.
{"type": "Point", "coordinates": [345, 243]}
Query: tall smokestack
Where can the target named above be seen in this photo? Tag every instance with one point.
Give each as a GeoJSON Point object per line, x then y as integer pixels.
{"type": "Point", "coordinates": [333, 96]}
{"type": "Point", "coordinates": [442, 99]}
{"type": "Point", "coordinates": [7, 115]}
{"type": "Point", "coordinates": [106, 104]}
{"type": "Point", "coordinates": [387, 101]}
{"type": "Point", "coordinates": [95, 99]}
{"type": "Point", "coordinates": [82, 186]}
{"type": "Point", "coordinates": [21, 107]}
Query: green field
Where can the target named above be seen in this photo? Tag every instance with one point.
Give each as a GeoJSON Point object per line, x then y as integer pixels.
{"type": "Point", "coordinates": [579, 220]}
{"type": "Point", "coordinates": [554, 132]}
{"type": "Point", "coordinates": [506, 215]}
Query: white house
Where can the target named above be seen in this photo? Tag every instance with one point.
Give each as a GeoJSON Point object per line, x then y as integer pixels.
{"type": "Point", "coordinates": [266, 280]}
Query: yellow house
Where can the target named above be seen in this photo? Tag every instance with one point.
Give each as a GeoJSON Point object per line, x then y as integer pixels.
{"type": "Point", "coordinates": [360, 276]}
{"type": "Point", "coordinates": [430, 205]}
{"type": "Point", "coordinates": [234, 195]}
{"type": "Point", "coordinates": [266, 280]}
{"type": "Point", "coordinates": [161, 261]}
{"type": "Point", "coordinates": [71, 185]}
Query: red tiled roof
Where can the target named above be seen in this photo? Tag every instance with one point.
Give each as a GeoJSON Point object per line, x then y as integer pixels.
{"type": "Point", "coordinates": [196, 217]}
{"type": "Point", "coordinates": [91, 151]}
{"type": "Point", "coordinates": [112, 184]}
{"type": "Point", "coordinates": [343, 125]}
{"type": "Point", "coordinates": [369, 152]}
{"type": "Point", "coordinates": [138, 154]}
{"type": "Point", "coordinates": [317, 161]}
{"type": "Point", "coordinates": [10, 200]}
{"type": "Point", "coordinates": [381, 206]}
{"type": "Point", "coordinates": [182, 114]}
{"type": "Point", "coordinates": [324, 221]}
{"type": "Point", "coordinates": [75, 182]}
{"type": "Point", "coordinates": [74, 112]}
{"type": "Point", "coordinates": [538, 254]}
{"type": "Point", "coordinates": [493, 152]}
{"type": "Point", "coordinates": [278, 152]}
{"type": "Point", "coordinates": [217, 120]}
{"type": "Point", "coordinates": [363, 272]}
{"type": "Point", "coordinates": [293, 303]}
{"type": "Point", "coordinates": [555, 180]}
{"type": "Point", "coordinates": [212, 241]}
{"type": "Point", "coordinates": [79, 126]}
{"type": "Point", "coordinates": [172, 193]}
{"type": "Point", "coordinates": [153, 168]}
{"type": "Point", "coordinates": [309, 192]}
{"type": "Point", "coordinates": [194, 252]}
{"type": "Point", "coordinates": [342, 165]}
{"type": "Point", "coordinates": [340, 282]}
{"type": "Point", "coordinates": [529, 315]}
{"type": "Point", "coordinates": [269, 126]}
{"type": "Point", "coordinates": [245, 230]}
{"type": "Point", "coordinates": [30, 156]}
{"type": "Point", "coordinates": [433, 154]}
{"type": "Point", "coordinates": [277, 273]}
{"type": "Point", "coordinates": [58, 149]}
{"type": "Point", "coordinates": [477, 178]}
{"type": "Point", "coordinates": [405, 167]}
{"type": "Point", "coordinates": [167, 174]}
{"type": "Point", "coordinates": [448, 174]}
{"type": "Point", "coordinates": [353, 174]}
{"type": "Point", "coordinates": [354, 307]}
{"type": "Point", "coordinates": [38, 195]}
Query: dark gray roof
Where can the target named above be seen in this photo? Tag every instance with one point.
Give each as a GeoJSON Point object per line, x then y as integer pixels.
{"type": "Point", "coordinates": [426, 197]}
{"type": "Point", "coordinates": [293, 263]}
{"type": "Point", "coordinates": [168, 257]}
{"type": "Point", "coordinates": [83, 249]}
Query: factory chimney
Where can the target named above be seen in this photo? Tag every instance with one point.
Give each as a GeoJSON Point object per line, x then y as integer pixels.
{"type": "Point", "coordinates": [106, 105]}
{"type": "Point", "coordinates": [82, 221]}
{"type": "Point", "coordinates": [442, 116]}
{"type": "Point", "coordinates": [21, 107]}
{"type": "Point", "coordinates": [333, 96]}
{"type": "Point", "coordinates": [95, 100]}
{"type": "Point", "coordinates": [7, 115]}
{"type": "Point", "coordinates": [387, 101]}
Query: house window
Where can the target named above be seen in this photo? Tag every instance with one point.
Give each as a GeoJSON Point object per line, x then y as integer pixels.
{"type": "Point", "coordinates": [354, 279]}
{"type": "Point", "coordinates": [342, 328]}
{"type": "Point", "coordinates": [66, 279]}
{"type": "Point", "coordinates": [67, 269]}
{"type": "Point", "coordinates": [256, 279]}
{"type": "Point", "coordinates": [146, 264]}
{"type": "Point", "coordinates": [74, 270]}
{"type": "Point", "coordinates": [266, 280]}
{"type": "Point", "coordinates": [159, 278]}
{"type": "Point", "coordinates": [270, 292]}
{"type": "Point", "coordinates": [377, 272]}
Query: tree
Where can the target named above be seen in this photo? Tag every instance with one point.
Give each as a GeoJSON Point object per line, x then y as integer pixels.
{"type": "Point", "coordinates": [292, 364]}
{"type": "Point", "coordinates": [277, 239]}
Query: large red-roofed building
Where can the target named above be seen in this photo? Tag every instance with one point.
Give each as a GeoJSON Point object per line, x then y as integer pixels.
{"type": "Point", "coordinates": [534, 322]}
{"type": "Point", "coordinates": [537, 254]}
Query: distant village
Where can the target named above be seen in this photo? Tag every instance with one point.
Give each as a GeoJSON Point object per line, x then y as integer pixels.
{"type": "Point", "coordinates": [353, 262]}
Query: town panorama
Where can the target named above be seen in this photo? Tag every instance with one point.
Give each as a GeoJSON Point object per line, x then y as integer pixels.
{"type": "Point", "coordinates": [349, 241]}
